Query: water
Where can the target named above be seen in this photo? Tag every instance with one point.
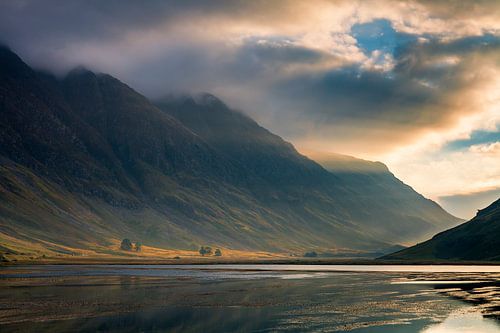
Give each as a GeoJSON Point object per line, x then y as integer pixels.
{"type": "Point", "coordinates": [249, 298]}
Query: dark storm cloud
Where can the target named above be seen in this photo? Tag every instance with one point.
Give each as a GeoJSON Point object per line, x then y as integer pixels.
{"type": "Point", "coordinates": [41, 30]}
{"type": "Point", "coordinates": [277, 50]}
{"type": "Point", "coordinates": [412, 57]}
{"type": "Point", "coordinates": [93, 19]}
{"type": "Point", "coordinates": [351, 93]}
{"type": "Point", "coordinates": [207, 66]}
{"type": "Point", "coordinates": [364, 82]}
{"type": "Point", "coordinates": [398, 78]}
{"type": "Point", "coordinates": [417, 94]}
{"type": "Point", "coordinates": [65, 21]}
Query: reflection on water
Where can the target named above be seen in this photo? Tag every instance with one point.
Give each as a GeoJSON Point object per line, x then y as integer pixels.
{"type": "Point", "coordinates": [460, 322]}
{"type": "Point", "coordinates": [239, 298]}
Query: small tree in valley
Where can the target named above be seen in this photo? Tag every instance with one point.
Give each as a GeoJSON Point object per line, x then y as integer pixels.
{"type": "Point", "coordinates": [205, 250]}
{"type": "Point", "coordinates": [126, 245]}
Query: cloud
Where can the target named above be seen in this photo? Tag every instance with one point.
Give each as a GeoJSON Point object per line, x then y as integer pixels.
{"type": "Point", "coordinates": [430, 89]}
{"type": "Point", "coordinates": [400, 81]}
{"type": "Point", "coordinates": [491, 148]}
{"type": "Point", "coordinates": [442, 174]}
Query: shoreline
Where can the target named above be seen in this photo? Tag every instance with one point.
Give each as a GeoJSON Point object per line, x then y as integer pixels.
{"type": "Point", "coordinates": [240, 261]}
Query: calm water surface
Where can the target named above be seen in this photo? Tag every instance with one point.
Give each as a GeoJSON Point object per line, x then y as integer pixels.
{"type": "Point", "coordinates": [249, 298]}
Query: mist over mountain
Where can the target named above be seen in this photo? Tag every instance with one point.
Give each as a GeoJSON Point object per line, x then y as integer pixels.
{"type": "Point", "coordinates": [476, 239]}
{"type": "Point", "coordinates": [87, 161]}
{"type": "Point", "coordinates": [368, 190]}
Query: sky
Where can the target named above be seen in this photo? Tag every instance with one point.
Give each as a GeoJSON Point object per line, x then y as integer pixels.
{"type": "Point", "coordinates": [414, 84]}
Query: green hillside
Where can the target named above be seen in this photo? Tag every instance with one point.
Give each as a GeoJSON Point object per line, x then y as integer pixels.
{"type": "Point", "coordinates": [475, 240]}
{"type": "Point", "coordinates": [87, 161]}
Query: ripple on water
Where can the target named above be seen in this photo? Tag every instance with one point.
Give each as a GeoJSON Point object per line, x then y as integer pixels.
{"type": "Point", "coordinates": [265, 299]}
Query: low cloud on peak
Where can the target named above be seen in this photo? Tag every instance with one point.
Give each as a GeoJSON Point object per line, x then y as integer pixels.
{"type": "Point", "coordinates": [398, 81]}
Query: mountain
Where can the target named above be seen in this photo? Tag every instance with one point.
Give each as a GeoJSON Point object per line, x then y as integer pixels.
{"type": "Point", "coordinates": [389, 203]}
{"type": "Point", "coordinates": [87, 161]}
{"type": "Point", "coordinates": [367, 191]}
{"type": "Point", "coordinates": [477, 239]}
{"type": "Point", "coordinates": [241, 139]}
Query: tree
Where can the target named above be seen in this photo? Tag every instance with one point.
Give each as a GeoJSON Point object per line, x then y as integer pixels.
{"type": "Point", "coordinates": [218, 253]}
{"type": "Point", "coordinates": [126, 245]}
{"type": "Point", "coordinates": [205, 250]}
{"type": "Point", "coordinates": [138, 246]}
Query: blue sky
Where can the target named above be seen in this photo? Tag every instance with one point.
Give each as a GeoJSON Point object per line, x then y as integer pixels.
{"type": "Point", "coordinates": [476, 138]}
{"type": "Point", "coordinates": [375, 35]}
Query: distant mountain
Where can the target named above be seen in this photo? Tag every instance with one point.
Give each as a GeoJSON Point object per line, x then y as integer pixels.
{"type": "Point", "coordinates": [387, 202]}
{"type": "Point", "coordinates": [86, 161]}
{"type": "Point", "coordinates": [477, 239]}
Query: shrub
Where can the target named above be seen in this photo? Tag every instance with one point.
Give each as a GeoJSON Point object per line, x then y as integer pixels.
{"type": "Point", "coordinates": [218, 253]}
{"type": "Point", "coordinates": [126, 245]}
{"type": "Point", "coordinates": [205, 250]}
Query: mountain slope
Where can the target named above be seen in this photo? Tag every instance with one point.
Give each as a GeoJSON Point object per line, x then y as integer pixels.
{"type": "Point", "coordinates": [387, 201]}
{"type": "Point", "coordinates": [367, 192]}
{"type": "Point", "coordinates": [477, 239]}
{"type": "Point", "coordinates": [240, 138]}
{"type": "Point", "coordinates": [87, 161]}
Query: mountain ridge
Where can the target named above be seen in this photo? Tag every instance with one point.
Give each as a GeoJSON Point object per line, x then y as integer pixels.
{"type": "Point", "coordinates": [474, 240]}
{"type": "Point", "coordinates": [86, 161]}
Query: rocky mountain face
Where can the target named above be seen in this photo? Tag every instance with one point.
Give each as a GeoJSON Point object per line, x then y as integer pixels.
{"type": "Point", "coordinates": [86, 161]}
{"type": "Point", "coordinates": [477, 239]}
